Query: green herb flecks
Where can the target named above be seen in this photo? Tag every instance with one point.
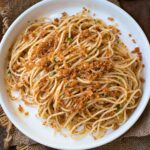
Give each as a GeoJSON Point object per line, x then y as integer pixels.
{"type": "Point", "coordinates": [118, 108]}
{"type": "Point", "coordinates": [8, 72]}
{"type": "Point", "coordinates": [52, 73]}
{"type": "Point", "coordinates": [55, 59]}
{"type": "Point", "coordinates": [69, 39]}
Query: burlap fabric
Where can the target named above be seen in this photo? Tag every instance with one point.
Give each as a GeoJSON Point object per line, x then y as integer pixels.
{"type": "Point", "coordinates": [137, 138]}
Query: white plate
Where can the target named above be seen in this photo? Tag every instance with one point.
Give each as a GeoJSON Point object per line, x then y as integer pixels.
{"type": "Point", "coordinates": [31, 126]}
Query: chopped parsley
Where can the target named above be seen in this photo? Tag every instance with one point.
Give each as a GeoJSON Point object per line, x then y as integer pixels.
{"type": "Point", "coordinates": [118, 108]}
{"type": "Point", "coordinates": [8, 72]}
{"type": "Point", "coordinates": [52, 74]}
{"type": "Point", "coordinates": [69, 39]}
{"type": "Point", "coordinates": [55, 59]}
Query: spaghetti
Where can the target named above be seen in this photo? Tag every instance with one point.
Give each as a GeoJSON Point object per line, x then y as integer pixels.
{"type": "Point", "coordinates": [78, 72]}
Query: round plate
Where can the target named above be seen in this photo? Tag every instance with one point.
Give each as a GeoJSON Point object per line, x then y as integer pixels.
{"type": "Point", "coordinates": [32, 126]}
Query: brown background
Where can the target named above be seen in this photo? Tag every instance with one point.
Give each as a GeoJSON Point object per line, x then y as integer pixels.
{"type": "Point", "coordinates": [140, 10]}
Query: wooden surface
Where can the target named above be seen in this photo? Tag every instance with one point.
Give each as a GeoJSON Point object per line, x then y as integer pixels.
{"type": "Point", "coordinates": [140, 10]}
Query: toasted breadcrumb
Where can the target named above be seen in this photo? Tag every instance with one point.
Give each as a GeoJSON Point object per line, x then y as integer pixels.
{"type": "Point", "coordinates": [133, 40]}
{"type": "Point", "coordinates": [21, 109]}
{"type": "Point", "coordinates": [137, 51]}
{"type": "Point", "coordinates": [111, 19]}
{"type": "Point", "coordinates": [26, 113]}
{"type": "Point", "coordinates": [130, 35]}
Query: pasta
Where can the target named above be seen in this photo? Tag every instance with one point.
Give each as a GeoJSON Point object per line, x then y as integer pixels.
{"type": "Point", "coordinates": [78, 73]}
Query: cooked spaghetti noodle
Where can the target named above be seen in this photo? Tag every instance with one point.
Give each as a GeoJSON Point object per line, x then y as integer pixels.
{"type": "Point", "coordinates": [78, 72]}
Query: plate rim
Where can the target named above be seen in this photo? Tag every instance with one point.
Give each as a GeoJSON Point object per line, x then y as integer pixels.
{"type": "Point", "coordinates": [129, 122]}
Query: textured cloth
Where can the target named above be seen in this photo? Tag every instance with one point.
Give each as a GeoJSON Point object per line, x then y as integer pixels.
{"type": "Point", "coordinates": [9, 10]}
